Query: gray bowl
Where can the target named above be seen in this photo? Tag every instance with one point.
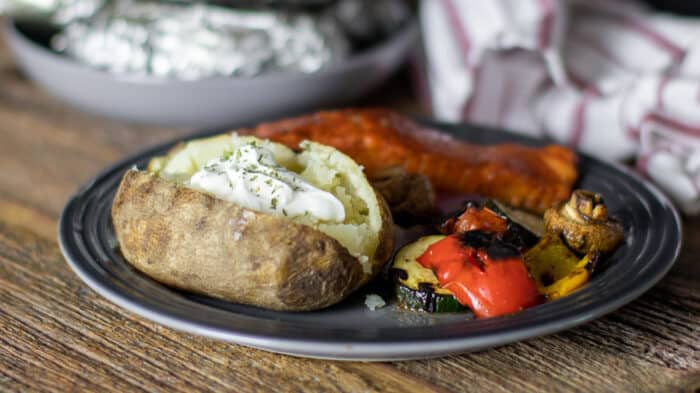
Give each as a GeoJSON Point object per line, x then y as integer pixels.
{"type": "Point", "coordinates": [210, 103]}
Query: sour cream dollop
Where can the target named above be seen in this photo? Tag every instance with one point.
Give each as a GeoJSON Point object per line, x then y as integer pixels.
{"type": "Point", "coordinates": [250, 177]}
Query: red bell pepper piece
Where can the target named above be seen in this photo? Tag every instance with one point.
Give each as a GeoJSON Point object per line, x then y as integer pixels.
{"type": "Point", "coordinates": [475, 219]}
{"type": "Point", "coordinates": [491, 285]}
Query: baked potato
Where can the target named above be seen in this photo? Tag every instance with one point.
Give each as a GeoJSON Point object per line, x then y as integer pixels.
{"type": "Point", "coordinates": [191, 239]}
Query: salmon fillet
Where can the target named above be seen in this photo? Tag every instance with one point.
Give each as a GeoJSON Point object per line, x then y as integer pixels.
{"type": "Point", "coordinates": [521, 176]}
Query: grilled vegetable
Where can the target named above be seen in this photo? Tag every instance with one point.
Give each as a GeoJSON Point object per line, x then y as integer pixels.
{"type": "Point", "coordinates": [556, 269]}
{"type": "Point", "coordinates": [484, 273]}
{"type": "Point", "coordinates": [426, 300]}
{"type": "Point", "coordinates": [584, 224]}
{"type": "Point", "coordinates": [531, 222]}
{"type": "Point", "coordinates": [476, 217]}
{"type": "Point", "coordinates": [417, 288]}
{"type": "Point", "coordinates": [488, 217]}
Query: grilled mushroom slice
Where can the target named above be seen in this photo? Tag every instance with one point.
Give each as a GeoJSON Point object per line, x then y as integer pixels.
{"type": "Point", "coordinates": [584, 224]}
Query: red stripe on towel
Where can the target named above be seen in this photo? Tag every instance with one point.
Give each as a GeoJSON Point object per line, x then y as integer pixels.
{"type": "Point", "coordinates": [460, 32]}
{"type": "Point", "coordinates": [464, 42]}
{"type": "Point", "coordinates": [468, 107]}
{"type": "Point", "coordinates": [652, 35]}
{"type": "Point", "coordinates": [582, 84]}
{"type": "Point", "coordinates": [544, 29]}
{"type": "Point", "coordinates": [676, 125]}
{"type": "Point", "coordinates": [578, 122]}
{"type": "Point", "coordinates": [660, 92]}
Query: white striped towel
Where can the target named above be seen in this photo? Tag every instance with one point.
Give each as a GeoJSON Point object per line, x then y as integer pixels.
{"type": "Point", "coordinates": [612, 78]}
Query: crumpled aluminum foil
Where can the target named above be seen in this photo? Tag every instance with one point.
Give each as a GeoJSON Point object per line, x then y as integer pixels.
{"type": "Point", "coordinates": [199, 41]}
{"type": "Point", "coordinates": [172, 39]}
{"type": "Point", "coordinates": [56, 11]}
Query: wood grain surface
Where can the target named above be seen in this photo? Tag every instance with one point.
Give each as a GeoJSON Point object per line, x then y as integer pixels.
{"type": "Point", "coordinates": [58, 335]}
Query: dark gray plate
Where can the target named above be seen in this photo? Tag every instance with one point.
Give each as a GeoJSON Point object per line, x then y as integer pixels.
{"type": "Point", "coordinates": [351, 331]}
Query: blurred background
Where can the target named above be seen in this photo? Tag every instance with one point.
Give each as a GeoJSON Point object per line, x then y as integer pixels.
{"type": "Point", "coordinates": [616, 79]}
{"type": "Point", "coordinates": [227, 62]}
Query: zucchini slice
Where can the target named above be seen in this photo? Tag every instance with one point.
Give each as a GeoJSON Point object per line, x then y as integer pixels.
{"type": "Point", "coordinates": [417, 288]}
{"type": "Point", "coordinates": [426, 300]}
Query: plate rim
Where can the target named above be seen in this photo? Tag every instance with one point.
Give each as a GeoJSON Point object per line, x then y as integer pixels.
{"type": "Point", "coordinates": [349, 349]}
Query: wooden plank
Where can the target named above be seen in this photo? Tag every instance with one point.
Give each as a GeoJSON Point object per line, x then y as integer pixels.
{"type": "Point", "coordinates": [21, 215]}
{"type": "Point", "coordinates": [59, 154]}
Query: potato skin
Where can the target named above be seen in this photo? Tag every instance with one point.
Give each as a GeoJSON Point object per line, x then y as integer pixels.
{"type": "Point", "coordinates": [386, 240]}
{"type": "Point", "coordinates": [190, 240]}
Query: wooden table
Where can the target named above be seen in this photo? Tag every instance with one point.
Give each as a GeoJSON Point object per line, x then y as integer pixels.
{"type": "Point", "coordinates": [58, 335]}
